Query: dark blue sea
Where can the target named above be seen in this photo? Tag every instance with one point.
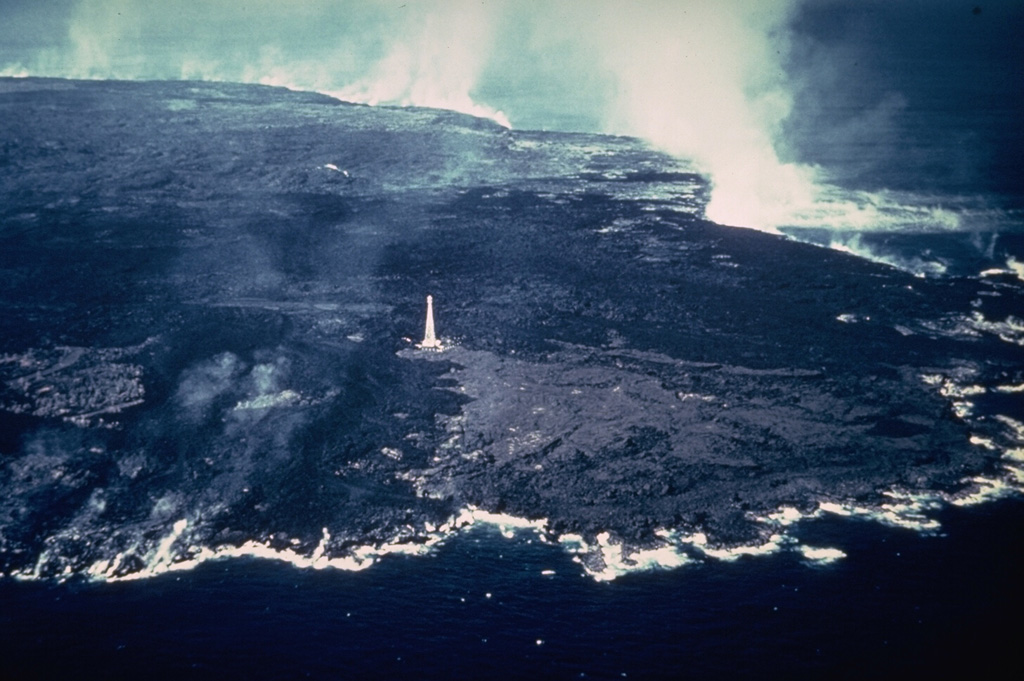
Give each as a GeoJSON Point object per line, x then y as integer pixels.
{"type": "Point", "coordinates": [940, 603]}
{"type": "Point", "coordinates": [899, 604]}
{"type": "Point", "coordinates": [487, 604]}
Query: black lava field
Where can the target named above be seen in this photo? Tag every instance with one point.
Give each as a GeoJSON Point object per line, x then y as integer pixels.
{"type": "Point", "coordinates": [211, 295]}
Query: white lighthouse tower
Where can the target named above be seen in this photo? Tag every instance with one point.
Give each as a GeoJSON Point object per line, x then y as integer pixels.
{"type": "Point", "coordinates": [430, 341]}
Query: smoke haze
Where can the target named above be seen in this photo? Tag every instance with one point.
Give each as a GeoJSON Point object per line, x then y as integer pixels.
{"type": "Point", "coordinates": [767, 98]}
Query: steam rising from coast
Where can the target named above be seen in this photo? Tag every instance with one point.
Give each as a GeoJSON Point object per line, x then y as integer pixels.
{"type": "Point", "coordinates": [713, 83]}
{"type": "Point", "coordinates": [437, 65]}
{"type": "Point", "coordinates": [706, 82]}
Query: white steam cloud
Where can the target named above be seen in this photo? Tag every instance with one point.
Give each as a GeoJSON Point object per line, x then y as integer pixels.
{"type": "Point", "coordinates": [436, 65]}
{"type": "Point", "coordinates": [697, 79]}
{"type": "Point", "coordinates": [705, 81]}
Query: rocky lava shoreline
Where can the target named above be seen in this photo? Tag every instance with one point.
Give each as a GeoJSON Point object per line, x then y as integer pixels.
{"type": "Point", "coordinates": [228, 281]}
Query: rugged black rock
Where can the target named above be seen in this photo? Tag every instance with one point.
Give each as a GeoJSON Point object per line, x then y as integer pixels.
{"type": "Point", "coordinates": [210, 296]}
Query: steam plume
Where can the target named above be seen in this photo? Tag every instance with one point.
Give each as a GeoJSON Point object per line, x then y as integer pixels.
{"type": "Point", "coordinates": [435, 66]}
{"type": "Point", "coordinates": [700, 80]}
{"type": "Point", "coordinates": [705, 81]}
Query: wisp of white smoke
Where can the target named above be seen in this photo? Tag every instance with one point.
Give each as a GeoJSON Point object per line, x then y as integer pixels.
{"type": "Point", "coordinates": [428, 53]}
{"type": "Point", "coordinates": [435, 65]}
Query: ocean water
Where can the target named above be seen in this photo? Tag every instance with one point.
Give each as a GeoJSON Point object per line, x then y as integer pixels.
{"type": "Point", "coordinates": [486, 606]}
{"type": "Point", "coordinates": [938, 191]}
